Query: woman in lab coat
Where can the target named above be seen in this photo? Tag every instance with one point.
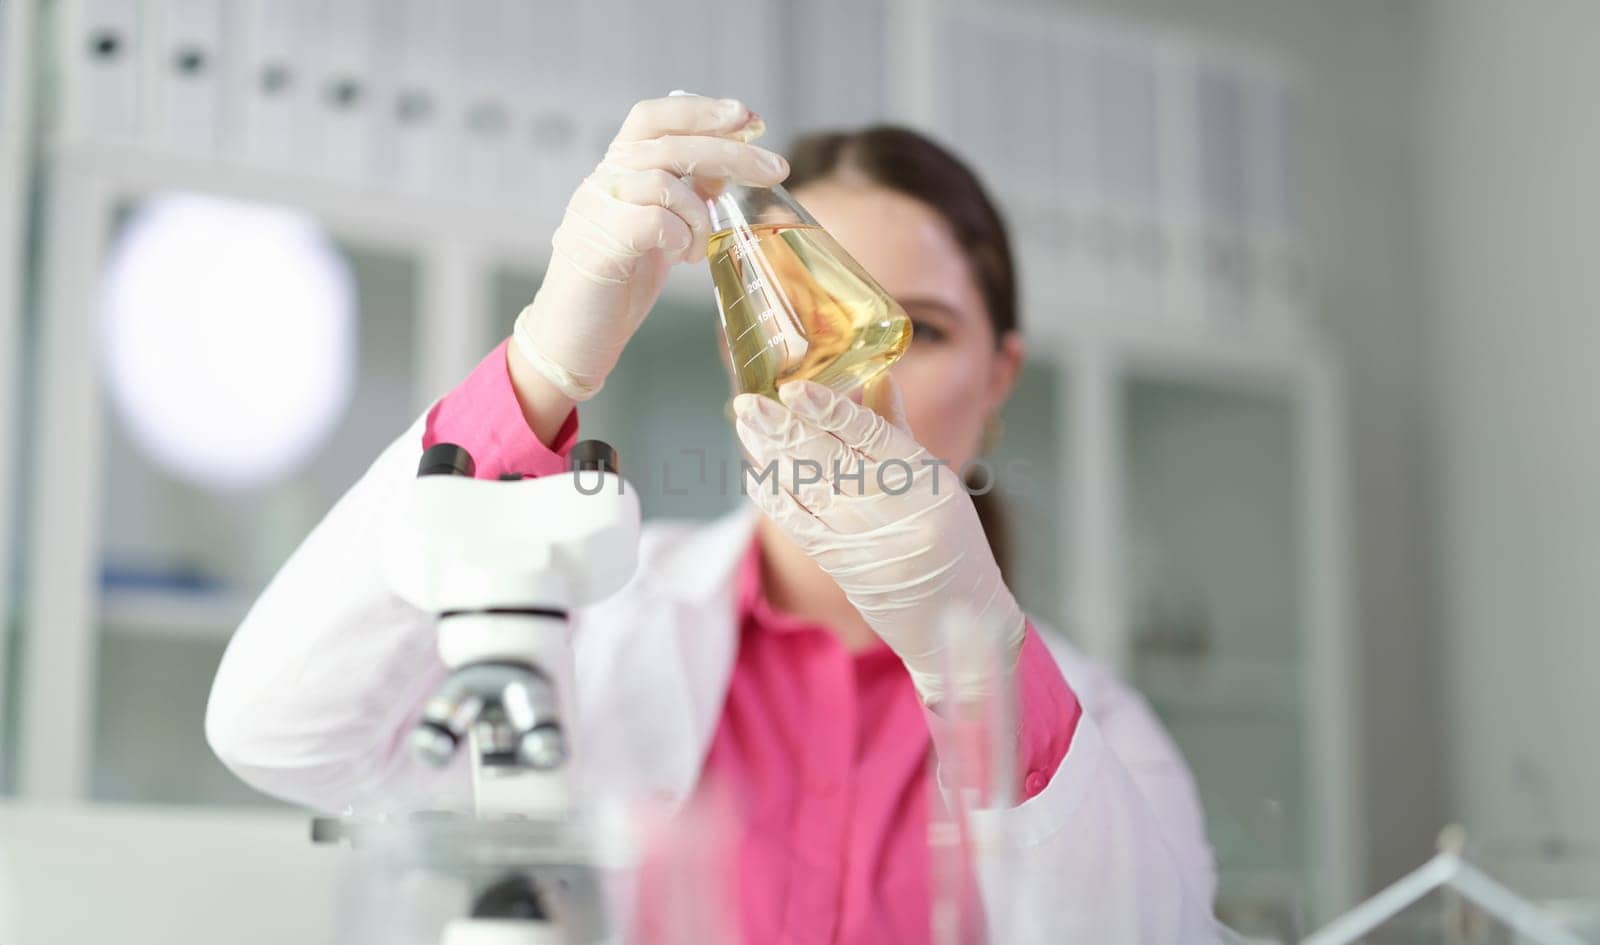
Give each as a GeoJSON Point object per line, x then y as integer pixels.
{"type": "Point", "coordinates": [786, 660]}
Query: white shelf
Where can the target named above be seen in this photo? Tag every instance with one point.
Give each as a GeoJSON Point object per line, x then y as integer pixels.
{"type": "Point", "coordinates": [1142, 339]}
{"type": "Point", "coordinates": [170, 614]}
{"type": "Point", "coordinates": [1211, 687]}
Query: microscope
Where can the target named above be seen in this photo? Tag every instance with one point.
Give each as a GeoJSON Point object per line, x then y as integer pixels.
{"type": "Point", "coordinates": [502, 564]}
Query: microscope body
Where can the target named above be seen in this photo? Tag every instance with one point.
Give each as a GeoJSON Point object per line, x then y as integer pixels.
{"type": "Point", "coordinates": [502, 564]}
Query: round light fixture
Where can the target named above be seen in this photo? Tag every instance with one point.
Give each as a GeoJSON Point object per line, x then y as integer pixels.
{"type": "Point", "coordinates": [228, 337]}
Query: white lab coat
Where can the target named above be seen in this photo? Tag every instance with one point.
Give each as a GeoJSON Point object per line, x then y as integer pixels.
{"type": "Point", "coordinates": [327, 674]}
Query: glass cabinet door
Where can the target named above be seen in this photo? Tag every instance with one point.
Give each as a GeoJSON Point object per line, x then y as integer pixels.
{"type": "Point", "coordinates": [1031, 489]}
{"type": "Point", "coordinates": [181, 560]}
{"type": "Point", "coordinates": [1212, 557]}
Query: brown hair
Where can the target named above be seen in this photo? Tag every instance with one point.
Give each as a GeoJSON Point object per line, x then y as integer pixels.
{"type": "Point", "coordinates": [907, 162]}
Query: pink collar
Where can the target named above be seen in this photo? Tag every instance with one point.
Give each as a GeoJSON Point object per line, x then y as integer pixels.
{"type": "Point", "coordinates": [756, 610]}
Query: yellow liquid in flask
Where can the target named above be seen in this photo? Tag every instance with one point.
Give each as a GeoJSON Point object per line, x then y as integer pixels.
{"type": "Point", "coordinates": [795, 306]}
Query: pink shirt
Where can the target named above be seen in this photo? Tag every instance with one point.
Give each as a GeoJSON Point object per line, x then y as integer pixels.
{"type": "Point", "coordinates": [821, 765]}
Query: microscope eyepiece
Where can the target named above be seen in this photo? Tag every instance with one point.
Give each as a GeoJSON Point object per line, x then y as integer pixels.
{"type": "Point", "coordinates": [446, 459]}
{"type": "Point", "coordinates": [593, 455]}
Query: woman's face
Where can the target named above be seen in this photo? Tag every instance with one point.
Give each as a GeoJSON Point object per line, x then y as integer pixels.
{"type": "Point", "coordinates": [956, 374]}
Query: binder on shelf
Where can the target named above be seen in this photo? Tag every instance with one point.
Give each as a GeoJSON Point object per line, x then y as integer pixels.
{"type": "Point", "coordinates": [1221, 146]}
{"type": "Point", "coordinates": [1226, 249]}
{"type": "Point", "coordinates": [1182, 214]}
{"type": "Point", "coordinates": [564, 123]}
{"type": "Point", "coordinates": [101, 49]}
{"type": "Point", "coordinates": [675, 48]}
{"type": "Point", "coordinates": [183, 67]}
{"type": "Point", "coordinates": [1079, 278]}
{"type": "Point", "coordinates": [414, 94]}
{"type": "Point", "coordinates": [970, 110]}
{"type": "Point", "coordinates": [597, 65]}
{"type": "Point", "coordinates": [546, 146]}
{"type": "Point", "coordinates": [853, 90]}
{"type": "Point", "coordinates": [528, 40]}
{"type": "Point", "coordinates": [1076, 169]}
{"type": "Point", "coordinates": [482, 128]}
{"type": "Point", "coordinates": [270, 87]}
{"type": "Point", "coordinates": [745, 57]}
{"type": "Point", "coordinates": [1128, 240]}
{"type": "Point", "coordinates": [1283, 291]}
{"type": "Point", "coordinates": [978, 112]}
{"type": "Point", "coordinates": [343, 100]}
{"type": "Point", "coordinates": [1126, 128]}
{"type": "Point", "coordinates": [1025, 62]}
{"type": "Point", "coordinates": [561, 135]}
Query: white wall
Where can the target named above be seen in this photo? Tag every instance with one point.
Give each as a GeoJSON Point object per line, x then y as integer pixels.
{"type": "Point", "coordinates": [1511, 148]}
{"type": "Point", "coordinates": [1361, 211]}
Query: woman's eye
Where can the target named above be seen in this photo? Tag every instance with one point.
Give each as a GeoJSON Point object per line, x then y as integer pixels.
{"type": "Point", "coordinates": [924, 331]}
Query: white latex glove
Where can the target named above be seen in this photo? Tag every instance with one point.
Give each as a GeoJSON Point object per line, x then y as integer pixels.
{"type": "Point", "coordinates": [641, 210]}
{"type": "Point", "coordinates": [904, 543]}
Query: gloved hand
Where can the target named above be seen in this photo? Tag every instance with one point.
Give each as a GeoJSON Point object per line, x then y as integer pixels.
{"type": "Point", "coordinates": [641, 210]}
{"type": "Point", "coordinates": [903, 540]}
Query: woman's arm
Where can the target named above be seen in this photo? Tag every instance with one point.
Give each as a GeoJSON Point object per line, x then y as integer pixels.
{"type": "Point", "coordinates": [321, 683]}
{"type": "Point", "coordinates": [1044, 712]}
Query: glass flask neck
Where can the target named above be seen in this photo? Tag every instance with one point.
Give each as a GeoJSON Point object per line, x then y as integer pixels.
{"type": "Point", "coordinates": [741, 207]}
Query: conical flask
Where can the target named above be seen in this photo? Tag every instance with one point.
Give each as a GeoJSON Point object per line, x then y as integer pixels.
{"type": "Point", "coordinates": [794, 305]}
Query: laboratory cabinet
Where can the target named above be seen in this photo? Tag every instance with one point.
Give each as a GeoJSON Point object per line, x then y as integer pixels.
{"type": "Point", "coordinates": [1178, 505]}
{"type": "Point", "coordinates": [1216, 623]}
